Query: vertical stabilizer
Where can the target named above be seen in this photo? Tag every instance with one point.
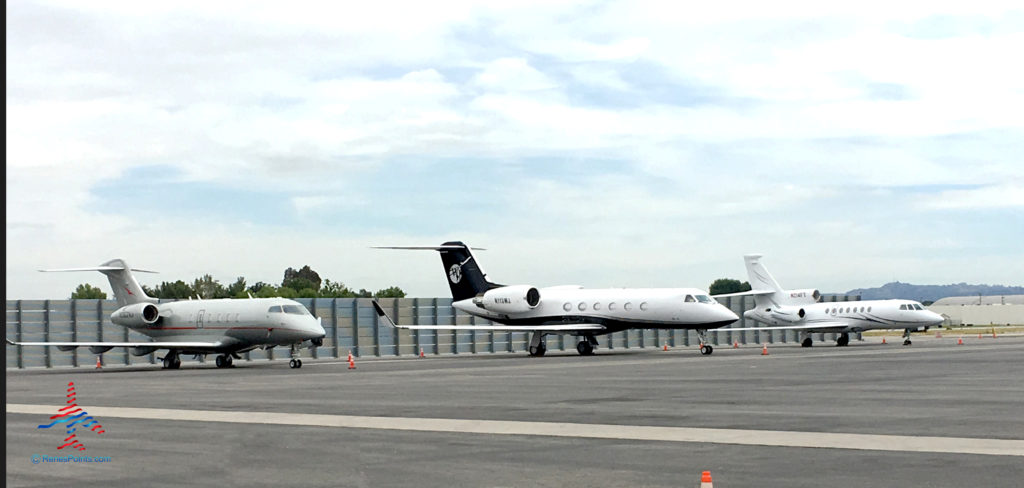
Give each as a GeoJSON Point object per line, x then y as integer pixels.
{"type": "Point", "coordinates": [122, 281]}
{"type": "Point", "coordinates": [465, 277]}
{"type": "Point", "coordinates": [762, 280]}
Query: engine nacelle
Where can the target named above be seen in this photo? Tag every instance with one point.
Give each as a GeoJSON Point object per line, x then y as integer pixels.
{"type": "Point", "coordinates": [789, 314]}
{"type": "Point", "coordinates": [136, 315]}
{"type": "Point", "coordinates": [802, 297]}
{"type": "Point", "coordinates": [509, 299]}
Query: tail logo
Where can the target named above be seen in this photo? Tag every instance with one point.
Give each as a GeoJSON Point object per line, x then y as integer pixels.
{"type": "Point", "coordinates": [455, 273]}
{"type": "Point", "coordinates": [74, 417]}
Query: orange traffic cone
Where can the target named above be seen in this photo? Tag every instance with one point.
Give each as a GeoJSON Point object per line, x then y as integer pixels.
{"type": "Point", "coordinates": [705, 479]}
{"type": "Point", "coordinates": [351, 363]}
{"type": "Point", "coordinates": [665, 348]}
{"type": "Point", "coordinates": [938, 334]}
{"type": "Point", "coordinates": [735, 344]}
{"type": "Point", "coordinates": [421, 353]}
{"type": "Point", "coordinates": [350, 355]}
{"type": "Point", "coordinates": [883, 339]}
{"type": "Point", "coordinates": [993, 333]}
{"type": "Point", "coordinates": [979, 335]}
{"type": "Point", "coordinates": [960, 341]}
{"type": "Point", "coordinates": [99, 365]}
{"type": "Point", "coordinates": [764, 350]}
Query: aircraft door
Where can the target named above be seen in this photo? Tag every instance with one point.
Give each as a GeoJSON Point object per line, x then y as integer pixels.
{"type": "Point", "coordinates": [199, 319]}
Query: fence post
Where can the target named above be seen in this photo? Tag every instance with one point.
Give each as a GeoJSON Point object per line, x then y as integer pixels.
{"type": "Point", "coordinates": [74, 331]}
{"type": "Point", "coordinates": [48, 359]}
{"type": "Point", "coordinates": [437, 333]}
{"type": "Point", "coordinates": [21, 357]}
{"type": "Point", "coordinates": [355, 327]}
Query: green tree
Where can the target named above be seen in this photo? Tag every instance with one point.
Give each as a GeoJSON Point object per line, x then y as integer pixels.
{"type": "Point", "coordinates": [727, 285]}
{"type": "Point", "coordinates": [266, 291]}
{"type": "Point", "coordinates": [207, 287]}
{"type": "Point", "coordinates": [178, 290]}
{"type": "Point", "coordinates": [391, 292]}
{"type": "Point", "coordinates": [312, 278]}
{"type": "Point", "coordinates": [286, 292]}
{"type": "Point", "coordinates": [87, 291]}
{"type": "Point", "coordinates": [334, 289]}
{"type": "Point", "coordinates": [237, 289]}
{"type": "Point", "coordinates": [259, 285]}
{"type": "Point", "coordinates": [364, 293]}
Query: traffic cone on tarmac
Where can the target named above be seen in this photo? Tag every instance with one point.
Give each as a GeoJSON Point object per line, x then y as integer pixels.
{"type": "Point", "coordinates": [665, 348]}
{"type": "Point", "coordinates": [350, 355]}
{"type": "Point", "coordinates": [764, 351]}
{"type": "Point", "coordinates": [938, 334]}
{"type": "Point", "coordinates": [883, 339]}
{"type": "Point", "coordinates": [705, 479]}
{"type": "Point", "coordinates": [993, 332]}
{"type": "Point", "coordinates": [351, 362]}
{"type": "Point", "coordinates": [735, 344]}
{"type": "Point", "coordinates": [99, 365]}
{"type": "Point", "coordinates": [421, 353]}
{"type": "Point", "coordinates": [979, 335]}
{"type": "Point", "coordinates": [960, 341]}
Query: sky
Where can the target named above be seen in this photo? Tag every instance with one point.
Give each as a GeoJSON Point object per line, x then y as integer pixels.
{"type": "Point", "coordinates": [602, 144]}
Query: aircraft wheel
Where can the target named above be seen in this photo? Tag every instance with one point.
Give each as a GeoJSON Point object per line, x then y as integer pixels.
{"type": "Point", "coordinates": [168, 363]}
{"type": "Point", "coordinates": [298, 363]}
{"type": "Point", "coordinates": [176, 364]}
{"type": "Point", "coordinates": [807, 342]}
{"type": "Point", "coordinates": [706, 349]}
{"type": "Point", "coordinates": [537, 351]}
{"type": "Point", "coordinates": [220, 361]}
{"type": "Point", "coordinates": [228, 361]}
{"type": "Point", "coordinates": [843, 340]}
{"type": "Point", "coordinates": [585, 348]}
{"type": "Point", "coordinates": [906, 342]}
{"type": "Point", "coordinates": [293, 364]}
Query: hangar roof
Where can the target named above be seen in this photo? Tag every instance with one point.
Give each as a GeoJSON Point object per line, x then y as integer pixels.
{"type": "Point", "coordinates": [984, 300]}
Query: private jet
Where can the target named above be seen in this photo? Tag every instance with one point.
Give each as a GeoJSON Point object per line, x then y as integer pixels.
{"type": "Point", "coordinates": [226, 327]}
{"type": "Point", "coordinates": [574, 310]}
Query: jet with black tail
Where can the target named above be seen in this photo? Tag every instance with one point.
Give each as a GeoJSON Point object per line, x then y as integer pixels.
{"type": "Point", "coordinates": [574, 310]}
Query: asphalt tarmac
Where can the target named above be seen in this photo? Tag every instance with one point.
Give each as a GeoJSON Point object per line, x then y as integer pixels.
{"type": "Point", "coordinates": [933, 414]}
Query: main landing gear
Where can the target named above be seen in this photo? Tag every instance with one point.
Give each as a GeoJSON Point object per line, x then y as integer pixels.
{"type": "Point", "coordinates": [805, 339]}
{"type": "Point", "coordinates": [537, 346]}
{"type": "Point", "coordinates": [705, 348]}
{"type": "Point", "coordinates": [224, 361]}
{"type": "Point", "coordinates": [171, 360]}
{"type": "Point", "coordinates": [843, 339]}
{"type": "Point", "coordinates": [586, 346]}
{"type": "Point", "coordinates": [295, 362]}
{"type": "Point", "coordinates": [906, 337]}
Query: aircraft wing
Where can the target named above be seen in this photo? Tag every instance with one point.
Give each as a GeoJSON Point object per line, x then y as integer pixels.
{"type": "Point", "coordinates": [745, 293]}
{"type": "Point", "coordinates": [820, 325]}
{"type": "Point", "coordinates": [158, 345]}
{"type": "Point", "coordinates": [520, 328]}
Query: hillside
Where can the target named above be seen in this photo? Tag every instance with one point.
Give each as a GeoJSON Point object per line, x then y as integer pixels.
{"type": "Point", "coordinates": [931, 293]}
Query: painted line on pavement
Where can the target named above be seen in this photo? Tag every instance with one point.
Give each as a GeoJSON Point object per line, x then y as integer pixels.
{"type": "Point", "coordinates": [871, 442]}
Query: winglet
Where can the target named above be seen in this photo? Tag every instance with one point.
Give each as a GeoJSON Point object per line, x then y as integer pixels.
{"type": "Point", "coordinates": [383, 316]}
{"type": "Point", "coordinates": [10, 342]}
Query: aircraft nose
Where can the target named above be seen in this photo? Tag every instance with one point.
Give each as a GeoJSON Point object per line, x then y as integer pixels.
{"type": "Point", "coordinates": [726, 314]}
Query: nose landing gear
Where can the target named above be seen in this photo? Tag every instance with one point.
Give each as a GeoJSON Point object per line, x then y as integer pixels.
{"type": "Point", "coordinates": [295, 362]}
{"type": "Point", "coordinates": [705, 348]}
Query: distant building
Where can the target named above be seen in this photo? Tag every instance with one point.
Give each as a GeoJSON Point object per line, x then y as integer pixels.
{"type": "Point", "coordinates": [981, 310]}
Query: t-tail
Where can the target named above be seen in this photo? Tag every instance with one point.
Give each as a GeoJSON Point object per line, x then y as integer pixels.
{"type": "Point", "coordinates": [126, 289]}
{"type": "Point", "coordinates": [465, 278]}
{"type": "Point", "coordinates": [766, 290]}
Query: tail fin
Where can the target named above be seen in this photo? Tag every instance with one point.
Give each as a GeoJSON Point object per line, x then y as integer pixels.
{"type": "Point", "coordinates": [126, 289]}
{"type": "Point", "coordinates": [761, 279]}
{"type": "Point", "coordinates": [465, 278]}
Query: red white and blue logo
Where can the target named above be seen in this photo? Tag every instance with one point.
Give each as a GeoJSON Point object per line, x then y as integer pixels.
{"type": "Point", "coordinates": [73, 418]}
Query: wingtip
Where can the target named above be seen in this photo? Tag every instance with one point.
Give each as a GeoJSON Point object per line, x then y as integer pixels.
{"type": "Point", "coordinates": [376, 306]}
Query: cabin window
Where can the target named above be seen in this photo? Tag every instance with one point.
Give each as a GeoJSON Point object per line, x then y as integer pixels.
{"type": "Point", "coordinates": [643, 306]}
{"type": "Point", "coordinates": [869, 309]}
{"type": "Point", "coordinates": [861, 309]}
{"type": "Point", "coordinates": [628, 306]}
{"type": "Point", "coordinates": [582, 306]}
{"type": "Point", "coordinates": [597, 305]}
{"type": "Point", "coordinates": [296, 310]}
{"type": "Point", "coordinates": [611, 306]}
{"type": "Point", "coordinates": [847, 309]}
{"type": "Point", "coordinates": [689, 298]}
{"type": "Point", "coordinates": [567, 307]}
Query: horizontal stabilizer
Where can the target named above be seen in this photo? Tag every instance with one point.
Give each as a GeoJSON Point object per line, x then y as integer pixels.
{"type": "Point", "coordinates": [97, 268]}
{"type": "Point", "coordinates": [428, 248]}
{"type": "Point", "coordinates": [830, 326]}
{"type": "Point", "coordinates": [158, 345]}
{"type": "Point", "coordinates": [520, 328]}
{"type": "Point", "coordinates": [745, 293]}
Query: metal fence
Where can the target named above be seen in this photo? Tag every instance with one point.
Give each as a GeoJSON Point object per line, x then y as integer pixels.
{"type": "Point", "coordinates": [351, 325]}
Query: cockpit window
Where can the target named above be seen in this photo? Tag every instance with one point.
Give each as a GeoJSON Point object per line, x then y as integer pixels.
{"type": "Point", "coordinates": [296, 310]}
{"type": "Point", "coordinates": [689, 298]}
{"type": "Point", "coordinates": [704, 299]}
{"type": "Point", "coordinates": [917, 307]}
{"type": "Point", "coordinates": [903, 307]}
{"type": "Point", "coordinates": [274, 309]}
